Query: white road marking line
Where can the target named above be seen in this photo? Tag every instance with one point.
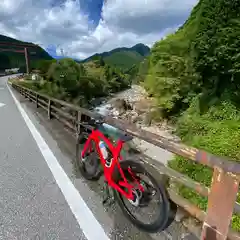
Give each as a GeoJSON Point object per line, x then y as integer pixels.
{"type": "Point", "coordinates": [2, 104]}
{"type": "Point", "coordinates": [85, 218]}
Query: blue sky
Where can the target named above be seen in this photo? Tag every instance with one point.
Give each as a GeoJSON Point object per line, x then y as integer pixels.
{"type": "Point", "coordinates": [92, 8]}
{"type": "Point", "coordinates": [83, 27]}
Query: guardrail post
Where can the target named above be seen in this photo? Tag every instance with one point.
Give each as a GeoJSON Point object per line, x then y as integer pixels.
{"type": "Point", "coordinates": [221, 202]}
{"type": "Point", "coordinates": [37, 100]}
{"type": "Point", "coordinates": [49, 109]}
{"type": "Point", "coordinates": [29, 96]}
{"type": "Point", "coordinates": [78, 126]}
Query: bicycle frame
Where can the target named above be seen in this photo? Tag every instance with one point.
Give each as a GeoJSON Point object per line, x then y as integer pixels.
{"type": "Point", "coordinates": [96, 136]}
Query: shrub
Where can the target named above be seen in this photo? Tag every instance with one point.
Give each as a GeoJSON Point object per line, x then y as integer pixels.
{"type": "Point", "coordinates": [78, 83]}
{"type": "Point", "coordinates": [216, 131]}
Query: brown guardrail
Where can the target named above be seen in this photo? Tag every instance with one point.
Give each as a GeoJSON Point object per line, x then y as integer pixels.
{"type": "Point", "coordinates": [225, 181]}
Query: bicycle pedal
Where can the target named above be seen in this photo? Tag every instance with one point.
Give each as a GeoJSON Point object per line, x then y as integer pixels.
{"type": "Point", "coordinates": [111, 201]}
{"type": "Point", "coordinates": [105, 200]}
{"type": "Point", "coordinates": [108, 201]}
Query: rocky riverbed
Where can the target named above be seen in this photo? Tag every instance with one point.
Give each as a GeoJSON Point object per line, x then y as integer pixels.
{"type": "Point", "coordinates": [133, 105]}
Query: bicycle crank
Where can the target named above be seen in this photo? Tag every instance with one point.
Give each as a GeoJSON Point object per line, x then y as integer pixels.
{"type": "Point", "coordinates": [108, 199]}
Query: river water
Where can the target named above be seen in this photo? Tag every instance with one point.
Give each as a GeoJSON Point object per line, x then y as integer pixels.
{"type": "Point", "coordinates": [134, 94]}
{"type": "Point", "coordinates": [130, 94]}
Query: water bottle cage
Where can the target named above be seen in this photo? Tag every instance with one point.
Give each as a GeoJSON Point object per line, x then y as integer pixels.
{"type": "Point", "coordinates": [108, 162]}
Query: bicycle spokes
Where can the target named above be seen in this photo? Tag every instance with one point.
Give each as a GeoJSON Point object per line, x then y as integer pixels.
{"type": "Point", "coordinates": [136, 180]}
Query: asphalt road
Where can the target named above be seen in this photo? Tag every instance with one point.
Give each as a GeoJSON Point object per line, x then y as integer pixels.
{"type": "Point", "coordinates": [41, 194]}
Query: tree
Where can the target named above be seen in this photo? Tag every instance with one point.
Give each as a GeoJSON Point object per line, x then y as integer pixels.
{"type": "Point", "coordinates": [65, 73]}
{"type": "Point", "coordinates": [217, 47]}
{"type": "Point", "coordinates": [4, 61]}
{"type": "Point", "coordinates": [43, 66]}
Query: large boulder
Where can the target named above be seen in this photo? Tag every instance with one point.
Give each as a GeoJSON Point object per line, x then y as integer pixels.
{"type": "Point", "coordinates": [121, 105]}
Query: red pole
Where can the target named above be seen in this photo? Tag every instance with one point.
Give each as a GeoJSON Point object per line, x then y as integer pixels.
{"type": "Point", "coordinates": [27, 60]}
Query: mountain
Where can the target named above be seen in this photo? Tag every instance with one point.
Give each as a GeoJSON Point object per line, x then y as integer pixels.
{"type": "Point", "coordinates": [123, 58]}
{"type": "Point", "coordinates": [9, 59]}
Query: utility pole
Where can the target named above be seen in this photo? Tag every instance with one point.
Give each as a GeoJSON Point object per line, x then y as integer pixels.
{"type": "Point", "coordinates": [62, 52]}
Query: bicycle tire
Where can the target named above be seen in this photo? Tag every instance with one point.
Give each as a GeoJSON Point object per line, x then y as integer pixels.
{"type": "Point", "coordinates": [93, 176]}
{"type": "Point", "coordinates": [162, 219]}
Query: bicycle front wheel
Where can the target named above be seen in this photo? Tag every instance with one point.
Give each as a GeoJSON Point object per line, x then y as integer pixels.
{"type": "Point", "coordinates": [150, 209]}
{"type": "Point", "coordinates": [89, 166]}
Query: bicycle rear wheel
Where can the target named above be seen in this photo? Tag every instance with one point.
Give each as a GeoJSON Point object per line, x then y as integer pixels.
{"type": "Point", "coordinates": [143, 199]}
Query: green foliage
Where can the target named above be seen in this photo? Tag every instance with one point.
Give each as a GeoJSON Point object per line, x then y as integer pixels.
{"type": "Point", "coordinates": [201, 57]}
{"type": "Point", "coordinates": [142, 49]}
{"type": "Point", "coordinates": [29, 84]}
{"type": "Point", "coordinates": [122, 58]}
{"type": "Point", "coordinates": [66, 73]}
{"type": "Point", "coordinates": [171, 78]}
{"type": "Point", "coordinates": [4, 61]}
{"type": "Point", "coordinates": [216, 131]}
{"type": "Point", "coordinates": [43, 66]}
{"type": "Point", "coordinates": [173, 83]}
{"type": "Point", "coordinates": [138, 72]}
{"type": "Point", "coordinates": [79, 83]}
{"type": "Point", "coordinates": [194, 76]}
{"type": "Point", "coordinates": [217, 46]}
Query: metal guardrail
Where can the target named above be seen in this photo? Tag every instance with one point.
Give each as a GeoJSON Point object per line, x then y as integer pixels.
{"type": "Point", "coordinates": [226, 175]}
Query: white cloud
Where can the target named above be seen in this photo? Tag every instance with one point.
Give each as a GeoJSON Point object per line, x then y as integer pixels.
{"type": "Point", "coordinates": [146, 16]}
{"type": "Point", "coordinates": [123, 23]}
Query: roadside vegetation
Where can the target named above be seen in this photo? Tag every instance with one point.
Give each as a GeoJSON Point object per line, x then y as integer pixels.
{"type": "Point", "coordinates": [194, 75]}
{"type": "Point", "coordinates": [78, 83]}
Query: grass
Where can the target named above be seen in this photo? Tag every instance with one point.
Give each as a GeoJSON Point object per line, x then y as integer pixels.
{"type": "Point", "coordinates": [216, 131]}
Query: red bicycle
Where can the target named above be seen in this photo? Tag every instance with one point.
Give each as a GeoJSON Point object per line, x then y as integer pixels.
{"type": "Point", "coordinates": [125, 177]}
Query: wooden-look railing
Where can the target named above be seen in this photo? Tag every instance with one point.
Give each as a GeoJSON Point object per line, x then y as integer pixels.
{"type": "Point", "coordinates": [226, 175]}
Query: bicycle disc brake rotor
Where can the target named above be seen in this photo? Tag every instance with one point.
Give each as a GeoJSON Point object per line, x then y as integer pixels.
{"type": "Point", "coordinates": [90, 161]}
{"type": "Point", "coordinates": [147, 195]}
{"type": "Point", "coordinates": [137, 194]}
